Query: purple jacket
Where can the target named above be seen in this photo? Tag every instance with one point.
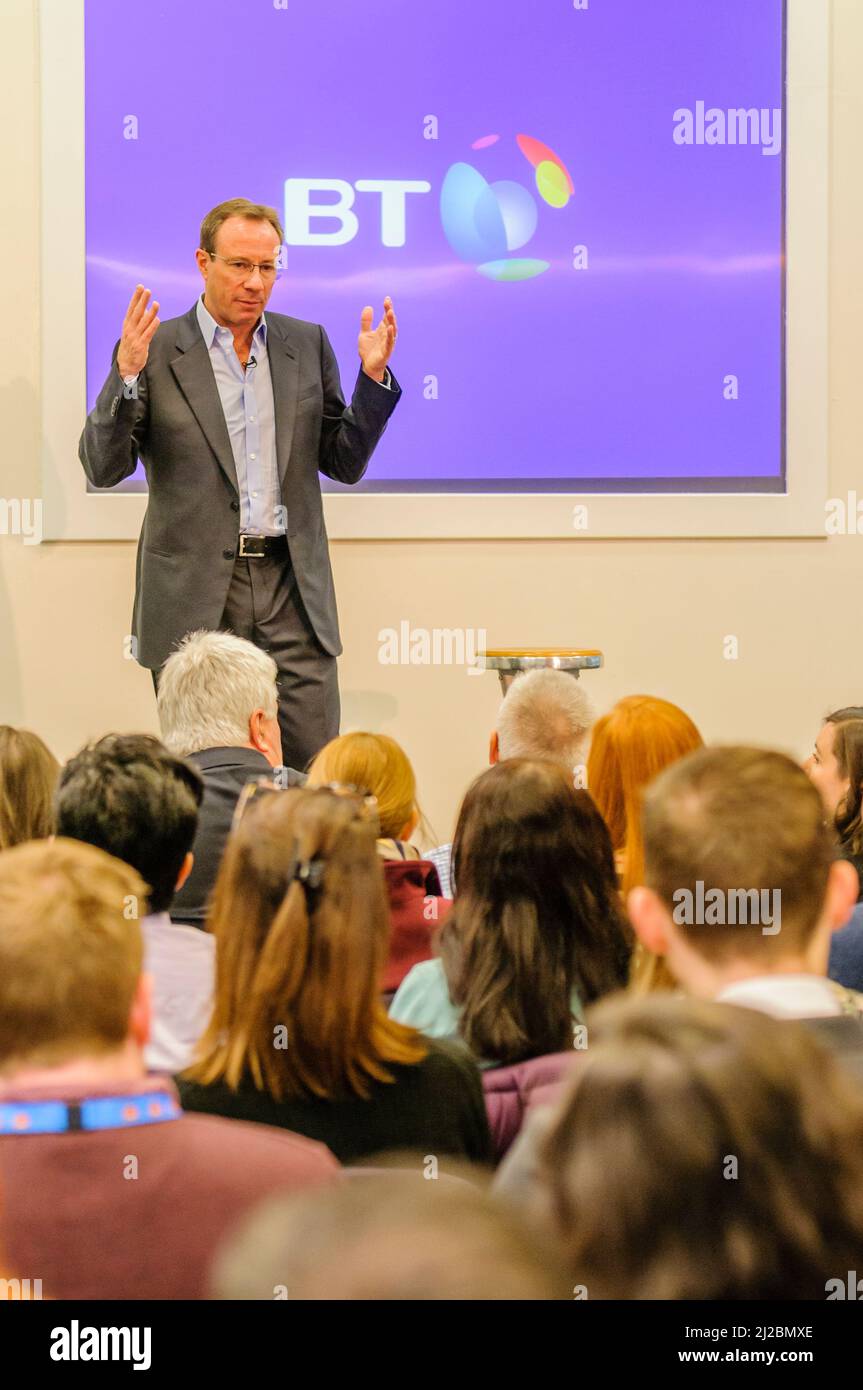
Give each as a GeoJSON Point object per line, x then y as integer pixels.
{"type": "Point", "coordinates": [511, 1091]}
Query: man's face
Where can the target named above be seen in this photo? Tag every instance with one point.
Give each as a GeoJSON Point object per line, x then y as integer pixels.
{"type": "Point", "coordinates": [823, 770]}
{"type": "Point", "coordinates": [236, 299]}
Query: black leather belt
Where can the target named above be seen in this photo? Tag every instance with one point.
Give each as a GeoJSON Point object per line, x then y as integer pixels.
{"type": "Point", "coordinates": [256, 547]}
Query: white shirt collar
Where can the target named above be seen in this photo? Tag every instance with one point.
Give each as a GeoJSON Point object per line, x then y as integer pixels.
{"type": "Point", "coordinates": [784, 996]}
{"type": "Point", "coordinates": [157, 919]}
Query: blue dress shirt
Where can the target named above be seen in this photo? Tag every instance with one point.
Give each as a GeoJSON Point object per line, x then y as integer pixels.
{"type": "Point", "coordinates": [246, 394]}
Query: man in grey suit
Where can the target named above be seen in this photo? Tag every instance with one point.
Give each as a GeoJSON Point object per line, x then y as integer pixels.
{"type": "Point", "coordinates": [233, 412]}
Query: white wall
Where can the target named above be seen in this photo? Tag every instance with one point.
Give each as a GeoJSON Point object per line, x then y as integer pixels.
{"type": "Point", "coordinates": [658, 609]}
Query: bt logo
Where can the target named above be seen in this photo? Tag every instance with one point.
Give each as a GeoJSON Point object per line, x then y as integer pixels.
{"type": "Point", "coordinates": [482, 221]}
{"type": "Point", "coordinates": [300, 211]}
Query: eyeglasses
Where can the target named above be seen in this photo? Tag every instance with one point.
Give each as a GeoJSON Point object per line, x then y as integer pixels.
{"type": "Point", "coordinates": [244, 269]}
{"type": "Point", "coordinates": [367, 805]}
{"type": "Point", "coordinates": [309, 872]}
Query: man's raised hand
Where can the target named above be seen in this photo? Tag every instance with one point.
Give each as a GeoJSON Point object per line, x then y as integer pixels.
{"type": "Point", "coordinates": [139, 325]}
{"type": "Point", "coordinates": [376, 344]}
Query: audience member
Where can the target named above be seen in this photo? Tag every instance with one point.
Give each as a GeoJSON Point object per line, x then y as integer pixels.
{"type": "Point", "coordinates": [28, 777]}
{"type": "Point", "coordinates": [109, 1191]}
{"type": "Point", "coordinates": [299, 1036]}
{"type": "Point", "coordinates": [742, 894]}
{"type": "Point", "coordinates": [128, 796]}
{"type": "Point", "coordinates": [631, 744]}
{"type": "Point", "coordinates": [703, 1152]}
{"type": "Point", "coordinates": [537, 930]}
{"type": "Point", "coordinates": [375, 764]}
{"type": "Point", "coordinates": [743, 891]}
{"type": "Point", "coordinates": [836, 767]}
{"type": "Point", "coordinates": [545, 715]}
{"type": "Point", "coordinates": [390, 1237]}
{"type": "Point", "coordinates": [218, 708]}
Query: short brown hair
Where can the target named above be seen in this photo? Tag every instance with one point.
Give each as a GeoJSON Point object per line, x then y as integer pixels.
{"type": "Point", "coordinates": [237, 207]}
{"type": "Point", "coordinates": [737, 820]}
{"type": "Point", "coordinates": [390, 1236]}
{"type": "Point", "coordinates": [28, 780]}
{"type": "Point", "coordinates": [637, 1171]}
{"type": "Point", "coordinates": [70, 952]}
{"type": "Point", "coordinates": [302, 958]}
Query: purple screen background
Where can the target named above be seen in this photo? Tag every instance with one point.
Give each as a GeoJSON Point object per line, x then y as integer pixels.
{"type": "Point", "coordinates": [610, 376]}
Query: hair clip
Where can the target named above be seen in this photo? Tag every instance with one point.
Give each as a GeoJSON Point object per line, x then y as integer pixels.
{"type": "Point", "coordinates": [308, 872]}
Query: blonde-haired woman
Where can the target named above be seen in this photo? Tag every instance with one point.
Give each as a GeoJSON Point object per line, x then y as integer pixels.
{"type": "Point", "coordinates": [377, 765]}
{"type": "Point", "coordinates": [632, 744]}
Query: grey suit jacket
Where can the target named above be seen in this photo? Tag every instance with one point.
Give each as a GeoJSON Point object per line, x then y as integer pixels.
{"type": "Point", "coordinates": [175, 424]}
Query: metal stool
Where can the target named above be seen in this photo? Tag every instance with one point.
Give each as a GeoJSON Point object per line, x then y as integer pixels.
{"type": "Point", "coordinates": [510, 662]}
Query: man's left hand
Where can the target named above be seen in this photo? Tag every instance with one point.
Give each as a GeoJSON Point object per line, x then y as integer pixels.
{"type": "Point", "coordinates": [376, 344]}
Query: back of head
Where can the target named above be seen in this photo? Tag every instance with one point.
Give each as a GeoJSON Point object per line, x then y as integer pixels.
{"type": "Point", "coordinates": [705, 1151]}
{"type": "Point", "coordinates": [545, 714]}
{"type": "Point", "coordinates": [129, 796]}
{"type": "Point", "coordinates": [28, 777]}
{"type": "Point", "coordinates": [631, 744]}
{"type": "Point", "coordinates": [743, 823]}
{"type": "Point", "coordinates": [376, 764]}
{"type": "Point", "coordinates": [537, 913]}
{"type": "Point", "coordinates": [302, 927]}
{"type": "Point", "coordinates": [389, 1236]}
{"type": "Point", "coordinates": [70, 952]}
{"type": "Point", "coordinates": [209, 689]}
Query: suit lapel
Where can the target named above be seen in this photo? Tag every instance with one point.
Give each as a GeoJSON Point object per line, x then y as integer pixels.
{"type": "Point", "coordinates": [194, 374]}
{"type": "Point", "coordinates": [283, 374]}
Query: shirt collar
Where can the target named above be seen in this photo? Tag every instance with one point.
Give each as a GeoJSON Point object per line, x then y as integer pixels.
{"type": "Point", "coordinates": [209, 328]}
{"type": "Point", "coordinates": [157, 919]}
{"type": "Point", "coordinates": [230, 756]}
{"type": "Point", "coordinates": [784, 996]}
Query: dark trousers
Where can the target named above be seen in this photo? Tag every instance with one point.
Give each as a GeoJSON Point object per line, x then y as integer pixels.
{"type": "Point", "coordinates": [264, 606]}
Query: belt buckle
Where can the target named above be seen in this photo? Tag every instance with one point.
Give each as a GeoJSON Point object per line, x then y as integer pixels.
{"type": "Point", "coordinates": [252, 546]}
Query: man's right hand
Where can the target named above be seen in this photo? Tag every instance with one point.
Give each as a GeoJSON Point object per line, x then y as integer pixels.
{"type": "Point", "coordinates": [139, 325]}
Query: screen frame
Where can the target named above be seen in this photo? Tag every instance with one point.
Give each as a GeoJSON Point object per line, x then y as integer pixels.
{"type": "Point", "coordinates": [71, 512]}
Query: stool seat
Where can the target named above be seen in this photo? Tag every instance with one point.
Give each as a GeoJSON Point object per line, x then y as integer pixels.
{"type": "Point", "coordinates": [510, 662]}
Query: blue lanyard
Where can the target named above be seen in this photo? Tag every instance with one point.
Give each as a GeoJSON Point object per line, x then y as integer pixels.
{"type": "Point", "coordinates": [99, 1112]}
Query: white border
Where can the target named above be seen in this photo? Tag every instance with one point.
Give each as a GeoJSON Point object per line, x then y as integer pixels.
{"type": "Point", "coordinates": [71, 513]}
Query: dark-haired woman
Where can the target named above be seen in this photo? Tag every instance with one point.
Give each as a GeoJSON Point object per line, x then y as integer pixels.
{"type": "Point", "coordinates": [537, 930]}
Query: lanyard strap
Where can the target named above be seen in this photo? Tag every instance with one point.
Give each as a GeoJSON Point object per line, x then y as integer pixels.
{"type": "Point", "coordinates": [99, 1112]}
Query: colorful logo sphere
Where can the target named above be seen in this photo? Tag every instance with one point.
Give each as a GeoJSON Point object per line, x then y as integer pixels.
{"type": "Point", "coordinates": [483, 222]}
